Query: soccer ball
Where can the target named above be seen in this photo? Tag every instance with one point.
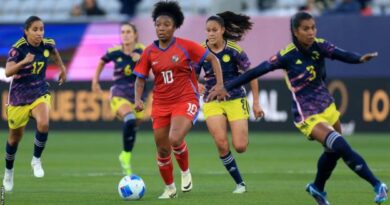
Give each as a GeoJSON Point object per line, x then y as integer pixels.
{"type": "Point", "coordinates": [131, 187]}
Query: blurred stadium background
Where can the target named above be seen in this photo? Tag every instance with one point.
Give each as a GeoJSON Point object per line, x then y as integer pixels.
{"type": "Point", "coordinates": [85, 138]}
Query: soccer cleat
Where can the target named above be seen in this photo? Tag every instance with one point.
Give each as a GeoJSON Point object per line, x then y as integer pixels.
{"type": "Point", "coordinates": [319, 196]}
{"type": "Point", "coordinates": [380, 193]}
{"type": "Point", "coordinates": [125, 159]}
{"type": "Point", "coordinates": [186, 181]}
{"type": "Point", "coordinates": [169, 193]}
{"type": "Point", "coordinates": [36, 165]}
{"type": "Point", "coordinates": [8, 181]}
{"type": "Point", "coordinates": [240, 188]}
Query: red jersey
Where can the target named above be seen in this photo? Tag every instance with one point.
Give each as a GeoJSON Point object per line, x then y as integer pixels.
{"type": "Point", "coordinates": [175, 78]}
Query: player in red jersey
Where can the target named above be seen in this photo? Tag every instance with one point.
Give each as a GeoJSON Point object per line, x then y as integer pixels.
{"type": "Point", "coordinates": [175, 95]}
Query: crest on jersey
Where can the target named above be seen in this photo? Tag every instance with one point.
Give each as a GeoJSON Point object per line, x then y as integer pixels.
{"type": "Point", "coordinates": [226, 58]}
{"type": "Point", "coordinates": [46, 53]}
{"type": "Point", "coordinates": [175, 58]}
{"type": "Point", "coordinates": [119, 59]}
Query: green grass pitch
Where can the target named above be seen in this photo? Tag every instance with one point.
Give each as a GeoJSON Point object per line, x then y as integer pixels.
{"type": "Point", "coordinates": [82, 168]}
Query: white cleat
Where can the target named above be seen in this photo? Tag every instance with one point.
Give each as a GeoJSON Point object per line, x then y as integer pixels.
{"type": "Point", "coordinates": [8, 181]}
{"type": "Point", "coordinates": [36, 165]}
{"type": "Point", "coordinates": [186, 181]}
{"type": "Point", "coordinates": [240, 189]}
{"type": "Point", "coordinates": [169, 193]}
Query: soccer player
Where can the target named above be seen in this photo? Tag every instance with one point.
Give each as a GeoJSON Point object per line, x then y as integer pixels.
{"type": "Point", "coordinates": [124, 57]}
{"type": "Point", "coordinates": [29, 93]}
{"type": "Point", "coordinates": [223, 30]}
{"type": "Point", "coordinates": [175, 97]}
{"type": "Point", "coordinates": [313, 108]}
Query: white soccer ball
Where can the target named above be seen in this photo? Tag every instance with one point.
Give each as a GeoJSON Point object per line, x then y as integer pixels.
{"type": "Point", "coordinates": [131, 187]}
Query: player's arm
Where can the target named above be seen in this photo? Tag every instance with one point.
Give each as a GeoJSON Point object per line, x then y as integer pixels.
{"type": "Point", "coordinates": [333, 52]}
{"type": "Point", "coordinates": [95, 80]}
{"type": "Point", "coordinates": [353, 58]}
{"type": "Point", "coordinates": [217, 70]}
{"type": "Point", "coordinates": [58, 60]}
{"type": "Point", "coordinates": [262, 69]}
{"type": "Point", "coordinates": [12, 67]}
{"type": "Point", "coordinates": [139, 89]}
{"type": "Point", "coordinates": [257, 110]}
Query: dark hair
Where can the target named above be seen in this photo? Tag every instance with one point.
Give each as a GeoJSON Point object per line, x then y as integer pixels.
{"type": "Point", "coordinates": [236, 25]}
{"type": "Point", "coordinates": [295, 22]}
{"type": "Point", "coordinates": [30, 21]}
{"type": "Point", "coordinates": [171, 9]}
{"type": "Point", "coordinates": [125, 23]}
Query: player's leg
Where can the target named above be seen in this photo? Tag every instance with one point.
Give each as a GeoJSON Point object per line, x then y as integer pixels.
{"type": "Point", "coordinates": [180, 126]}
{"type": "Point", "coordinates": [18, 117]}
{"type": "Point", "coordinates": [129, 129]}
{"type": "Point", "coordinates": [239, 129]}
{"type": "Point", "coordinates": [15, 136]}
{"type": "Point", "coordinates": [326, 163]}
{"type": "Point", "coordinates": [41, 115]}
{"type": "Point", "coordinates": [164, 161]}
{"type": "Point", "coordinates": [184, 115]}
{"type": "Point", "coordinates": [333, 140]}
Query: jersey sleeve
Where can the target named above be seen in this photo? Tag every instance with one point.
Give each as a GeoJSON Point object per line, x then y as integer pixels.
{"type": "Point", "coordinates": [14, 55]}
{"type": "Point", "coordinates": [196, 52]}
{"type": "Point", "coordinates": [331, 51]}
{"type": "Point", "coordinates": [243, 61]}
{"type": "Point", "coordinates": [143, 65]}
{"type": "Point", "coordinates": [107, 57]}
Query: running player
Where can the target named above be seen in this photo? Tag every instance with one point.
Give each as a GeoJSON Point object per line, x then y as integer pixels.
{"type": "Point", "coordinates": [29, 93]}
{"type": "Point", "coordinates": [124, 57]}
{"type": "Point", "coordinates": [223, 30]}
{"type": "Point", "coordinates": [313, 108]}
{"type": "Point", "coordinates": [175, 97]}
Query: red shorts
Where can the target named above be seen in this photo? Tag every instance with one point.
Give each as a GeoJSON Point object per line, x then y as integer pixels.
{"type": "Point", "coordinates": [162, 114]}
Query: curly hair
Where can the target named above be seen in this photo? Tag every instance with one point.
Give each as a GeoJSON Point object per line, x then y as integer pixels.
{"type": "Point", "coordinates": [171, 9]}
{"type": "Point", "coordinates": [236, 25]}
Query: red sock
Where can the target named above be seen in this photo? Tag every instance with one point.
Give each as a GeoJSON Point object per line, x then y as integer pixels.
{"type": "Point", "coordinates": [181, 155]}
{"type": "Point", "coordinates": [166, 169]}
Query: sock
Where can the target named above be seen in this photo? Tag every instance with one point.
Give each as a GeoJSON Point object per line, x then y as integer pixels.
{"type": "Point", "coordinates": [231, 166]}
{"type": "Point", "coordinates": [354, 161]}
{"type": "Point", "coordinates": [39, 143]}
{"type": "Point", "coordinates": [181, 155]}
{"type": "Point", "coordinates": [325, 165]}
{"type": "Point", "coordinates": [10, 152]}
{"type": "Point", "coordinates": [166, 169]}
{"type": "Point", "coordinates": [129, 131]}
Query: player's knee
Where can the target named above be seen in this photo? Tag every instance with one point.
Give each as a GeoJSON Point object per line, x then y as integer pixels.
{"type": "Point", "coordinates": [163, 152]}
{"type": "Point", "coordinates": [43, 127]}
{"type": "Point", "coordinates": [240, 148]}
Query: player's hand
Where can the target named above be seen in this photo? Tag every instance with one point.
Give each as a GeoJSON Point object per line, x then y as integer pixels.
{"type": "Point", "coordinates": [96, 87]}
{"type": "Point", "coordinates": [62, 78]}
{"type": "Point", "coordinates": [217, 92]}
{"type": "Point", "coordinates": [28, 59]}
{"type": "Point", "coordinates": [138, 105]}
{"type": "Point", "coordinates": [257, 111]}
{"type": "Point", "coordinates": [135, 56]}
{"type": "Point", "coordinates": [368, 56]}
{"type": "Point", "coordinates": [201, 89]}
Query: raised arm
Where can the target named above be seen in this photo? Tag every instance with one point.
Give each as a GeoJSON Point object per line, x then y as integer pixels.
{"type": "Point", "coordinates": [256, 72]}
